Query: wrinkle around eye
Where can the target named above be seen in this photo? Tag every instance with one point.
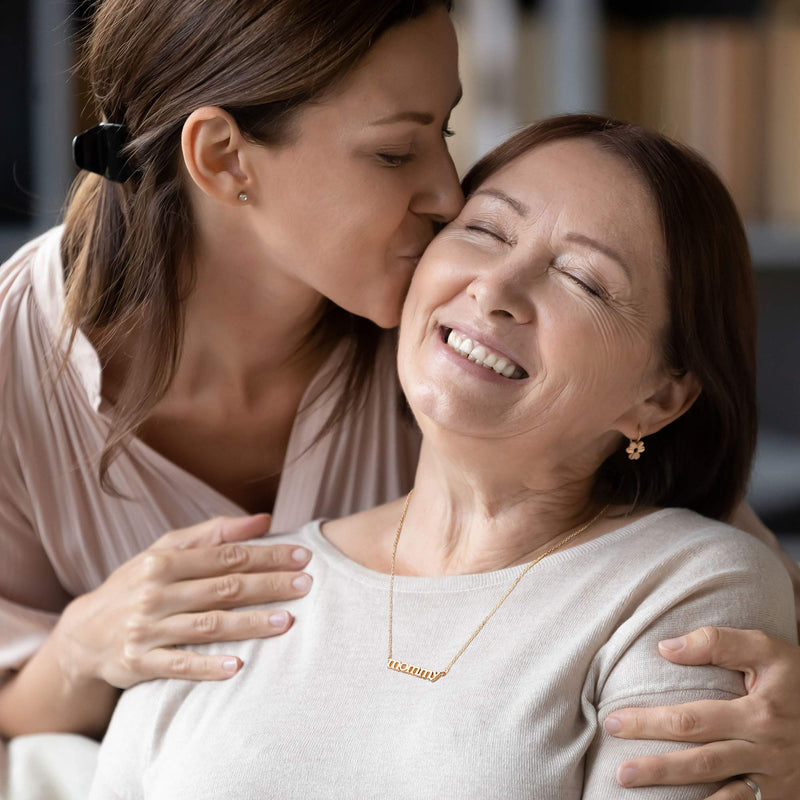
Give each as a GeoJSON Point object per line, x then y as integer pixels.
{"type": "Point", "coordinates": [488, 231]}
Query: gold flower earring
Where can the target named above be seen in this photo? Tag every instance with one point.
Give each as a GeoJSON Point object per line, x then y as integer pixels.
{"type": "Point", "coordinates": [636, 446]}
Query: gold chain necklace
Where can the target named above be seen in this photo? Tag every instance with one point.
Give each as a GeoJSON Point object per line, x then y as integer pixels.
{"type": "Point", "coordinates": [434, 675]}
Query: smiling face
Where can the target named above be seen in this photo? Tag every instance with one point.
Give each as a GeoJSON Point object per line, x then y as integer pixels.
{"type": "Point", "coordinates": [537, 314]}
{"type": "Point", "coordinates": [351, 203]}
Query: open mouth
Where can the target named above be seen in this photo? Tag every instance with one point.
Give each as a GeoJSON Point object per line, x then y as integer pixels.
{"type": "Point", "coordinates": [482, 355]}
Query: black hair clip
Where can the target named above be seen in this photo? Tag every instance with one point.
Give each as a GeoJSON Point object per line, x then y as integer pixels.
{"type": "Point", "coordinates": [99, 150]}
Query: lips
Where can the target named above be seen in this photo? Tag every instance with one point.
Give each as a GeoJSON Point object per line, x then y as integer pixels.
{"type": "Point", "coordinates": [481, 353]}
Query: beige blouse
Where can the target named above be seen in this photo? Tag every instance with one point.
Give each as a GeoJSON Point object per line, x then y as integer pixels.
{"type": "Point", "coordinates": [61, 535]}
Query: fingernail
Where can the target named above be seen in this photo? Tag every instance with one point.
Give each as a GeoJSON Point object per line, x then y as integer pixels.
{"type": "Point", "coordinates": [673, 645]}
{"type": "Point", "coordinates": [613, 725]}
{"type": "Point", "coordinates": [230, 665]}
{"type": "Point", "coordinates": [302, 582]}
{"type": "Point", "coordinates": [300, 555]}
{"type": "Point", "coordinates": [279, 619]}
{"type": "Point", "coordinates": [627, 775]}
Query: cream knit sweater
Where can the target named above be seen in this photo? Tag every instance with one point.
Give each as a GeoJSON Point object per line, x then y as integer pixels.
{"type": "Point", "coordinates": [316, 713]}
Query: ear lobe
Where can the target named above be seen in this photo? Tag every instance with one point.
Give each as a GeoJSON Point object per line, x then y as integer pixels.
{"type": "Point", "coordinates": [673, 398]}
{"type": "Point", "coordinates": [211, 144]}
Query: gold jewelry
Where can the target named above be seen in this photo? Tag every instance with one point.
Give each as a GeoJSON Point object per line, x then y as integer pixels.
{"type": "Point", "coordinates": [636, 446]}
{"type": "Point", "coordinates": [434, 675]}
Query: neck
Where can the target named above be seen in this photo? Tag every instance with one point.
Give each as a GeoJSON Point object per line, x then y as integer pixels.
{"type": "Point", "coordinates": [246, 322]}
{"type": "Point", "coordinates": [467, 521]}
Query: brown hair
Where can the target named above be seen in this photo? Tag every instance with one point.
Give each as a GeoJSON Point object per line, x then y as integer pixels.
{"type": "Point", "coordinates": [701, 460]}
{"type": "Point", "coordinates": [127, 248]}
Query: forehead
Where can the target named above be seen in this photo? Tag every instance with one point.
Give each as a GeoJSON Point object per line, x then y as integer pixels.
{"type": "Point", "coordinates": [576, 184]}
{"type": "Point", "coordinates": [412, 66]}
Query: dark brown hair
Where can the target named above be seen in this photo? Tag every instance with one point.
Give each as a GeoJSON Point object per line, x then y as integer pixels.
{"type": "Point", "coordinates": [701, 460]}
{"type": "Point", "coordinates": [127, 249]}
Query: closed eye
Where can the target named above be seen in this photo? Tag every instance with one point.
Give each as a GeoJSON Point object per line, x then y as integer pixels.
{"type": "Point", "coordinates": [599, 293]}
{"type": "Point", "coordinates": [487, 232]}
{"type": "Point", "coordinates": [395, 160]}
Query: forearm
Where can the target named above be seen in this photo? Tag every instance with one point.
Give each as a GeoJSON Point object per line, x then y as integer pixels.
{"type": "Point", "coordinates": [44, 697]}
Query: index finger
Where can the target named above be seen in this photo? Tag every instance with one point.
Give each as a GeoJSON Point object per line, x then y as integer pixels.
{"type": "Point", "coordinates": [172, 565]}
{"type": "Point", "coordinates": [217, 531]}
{"type": "Point", "coordinates": [699, 721]}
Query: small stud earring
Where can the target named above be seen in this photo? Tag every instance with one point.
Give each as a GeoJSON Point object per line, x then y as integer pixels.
{"type": "Point", "coordinates": [243, 196]}
{"type": "Point", "coordinates": [636, 446]}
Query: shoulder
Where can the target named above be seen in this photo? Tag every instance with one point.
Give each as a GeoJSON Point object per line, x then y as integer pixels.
{"type": "Point", "coordinates": [680, 541]}
{"type": "Point", "coordinates": [697, 571]}
{"type": "Point", "coordinates": [16, 283]}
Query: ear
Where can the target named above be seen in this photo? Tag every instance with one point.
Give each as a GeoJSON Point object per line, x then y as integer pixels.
{"type": "Point", "coordinates": [212, 146]}
{"type": "Point", "coordinates": [673, 397]}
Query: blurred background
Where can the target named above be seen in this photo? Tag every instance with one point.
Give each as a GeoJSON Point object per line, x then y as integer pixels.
{"type": "Point", "coordinates": [722, 75]}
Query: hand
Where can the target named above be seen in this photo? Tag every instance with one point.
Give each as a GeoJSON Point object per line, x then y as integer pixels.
{"type": "Point", "coordinates": [175, 593]}
{"type": "Point", "coordinates": [757, 735]}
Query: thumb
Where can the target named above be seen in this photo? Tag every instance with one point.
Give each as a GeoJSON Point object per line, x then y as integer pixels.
{"type": "Point", "coordinates": [740, 650]}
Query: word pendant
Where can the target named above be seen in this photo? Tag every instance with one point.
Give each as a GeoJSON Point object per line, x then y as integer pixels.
{"type": "Point", "coordinates": [417, 672]}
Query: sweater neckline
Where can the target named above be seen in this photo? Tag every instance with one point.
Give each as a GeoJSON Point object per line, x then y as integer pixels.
{"type": "Point", "coordinates": [320, 545]}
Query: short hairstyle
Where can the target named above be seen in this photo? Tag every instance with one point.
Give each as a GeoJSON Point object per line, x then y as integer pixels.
{"type": "Point", "coordinates": [702, 460]}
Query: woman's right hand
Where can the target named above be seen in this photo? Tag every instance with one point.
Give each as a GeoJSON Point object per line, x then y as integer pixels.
{"type": "Point", "coordinates": [178, 592]}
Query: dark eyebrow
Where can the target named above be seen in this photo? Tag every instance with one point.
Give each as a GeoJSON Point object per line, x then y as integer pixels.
{"type": "Point", "coordinates": [580, 238]}
{"type": "Point", "coordinates": [517, 205]}
{"type": "Point", "coordinates": [421, 117]}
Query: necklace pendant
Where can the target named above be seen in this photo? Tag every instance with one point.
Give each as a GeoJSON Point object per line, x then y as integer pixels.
{"type": "Point", "coordinates": [417, 672]}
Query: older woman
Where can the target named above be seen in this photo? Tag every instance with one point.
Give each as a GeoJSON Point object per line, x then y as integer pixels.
{"type": "Point", "coordinates": [577, 347]}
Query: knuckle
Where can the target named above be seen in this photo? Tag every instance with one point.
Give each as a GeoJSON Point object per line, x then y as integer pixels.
{"type": "Point", "coordinates": [218, 526]}
{"type": "Point", "coordinates": [228, 587]}
{"type": "Point", "coordinates": [682, 723]}
{"type": "Point", "coordinates": [233, 555]}
{"type": "Point", "coordinates": [208, 624]}
{"type": "Point", "coordinates": [132, 660]}
{"type": "Point", "coordinates": [148, 600]}
{"type": "Point", "coordinates": [706, 763]}
{"type": "Point", "coordinates": [179, 664]}
{"type": "Point", "coordinates": [155, 564]}
{"type": "Point", "coordinates": [711, 635]}
{"type": "Point", "coordinates": [256, 621]}
{"type": "Point", "coordinates": [136, 630]}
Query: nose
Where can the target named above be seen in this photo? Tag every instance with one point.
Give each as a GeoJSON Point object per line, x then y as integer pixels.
{"type": "Point", "coordinates": [440, 197]}
{"type": "Point", "coordinates": [503, 292]}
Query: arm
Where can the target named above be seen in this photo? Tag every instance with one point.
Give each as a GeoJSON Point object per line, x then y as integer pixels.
{"type": "Point", "coordinates": [766, 722]}
{"type": "Point", "coordinates": [125, 631]}
{"type": "Point", "coordinates": [758, 734]}
{"type": "Point", "coordinates": [747, 588]}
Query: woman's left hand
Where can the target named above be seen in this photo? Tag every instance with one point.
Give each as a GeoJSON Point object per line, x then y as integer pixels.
{"type": "Point", "coordinates": [755, 736]}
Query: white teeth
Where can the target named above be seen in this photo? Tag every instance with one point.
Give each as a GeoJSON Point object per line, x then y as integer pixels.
{"type": "Point", "coordinates": [479, 354]}
{"type": "Point", "coordinates": [483, 356]}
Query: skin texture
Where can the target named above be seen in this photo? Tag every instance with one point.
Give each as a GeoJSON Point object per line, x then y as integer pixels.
{"type": "Point", "coordinates": [341, 211]}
